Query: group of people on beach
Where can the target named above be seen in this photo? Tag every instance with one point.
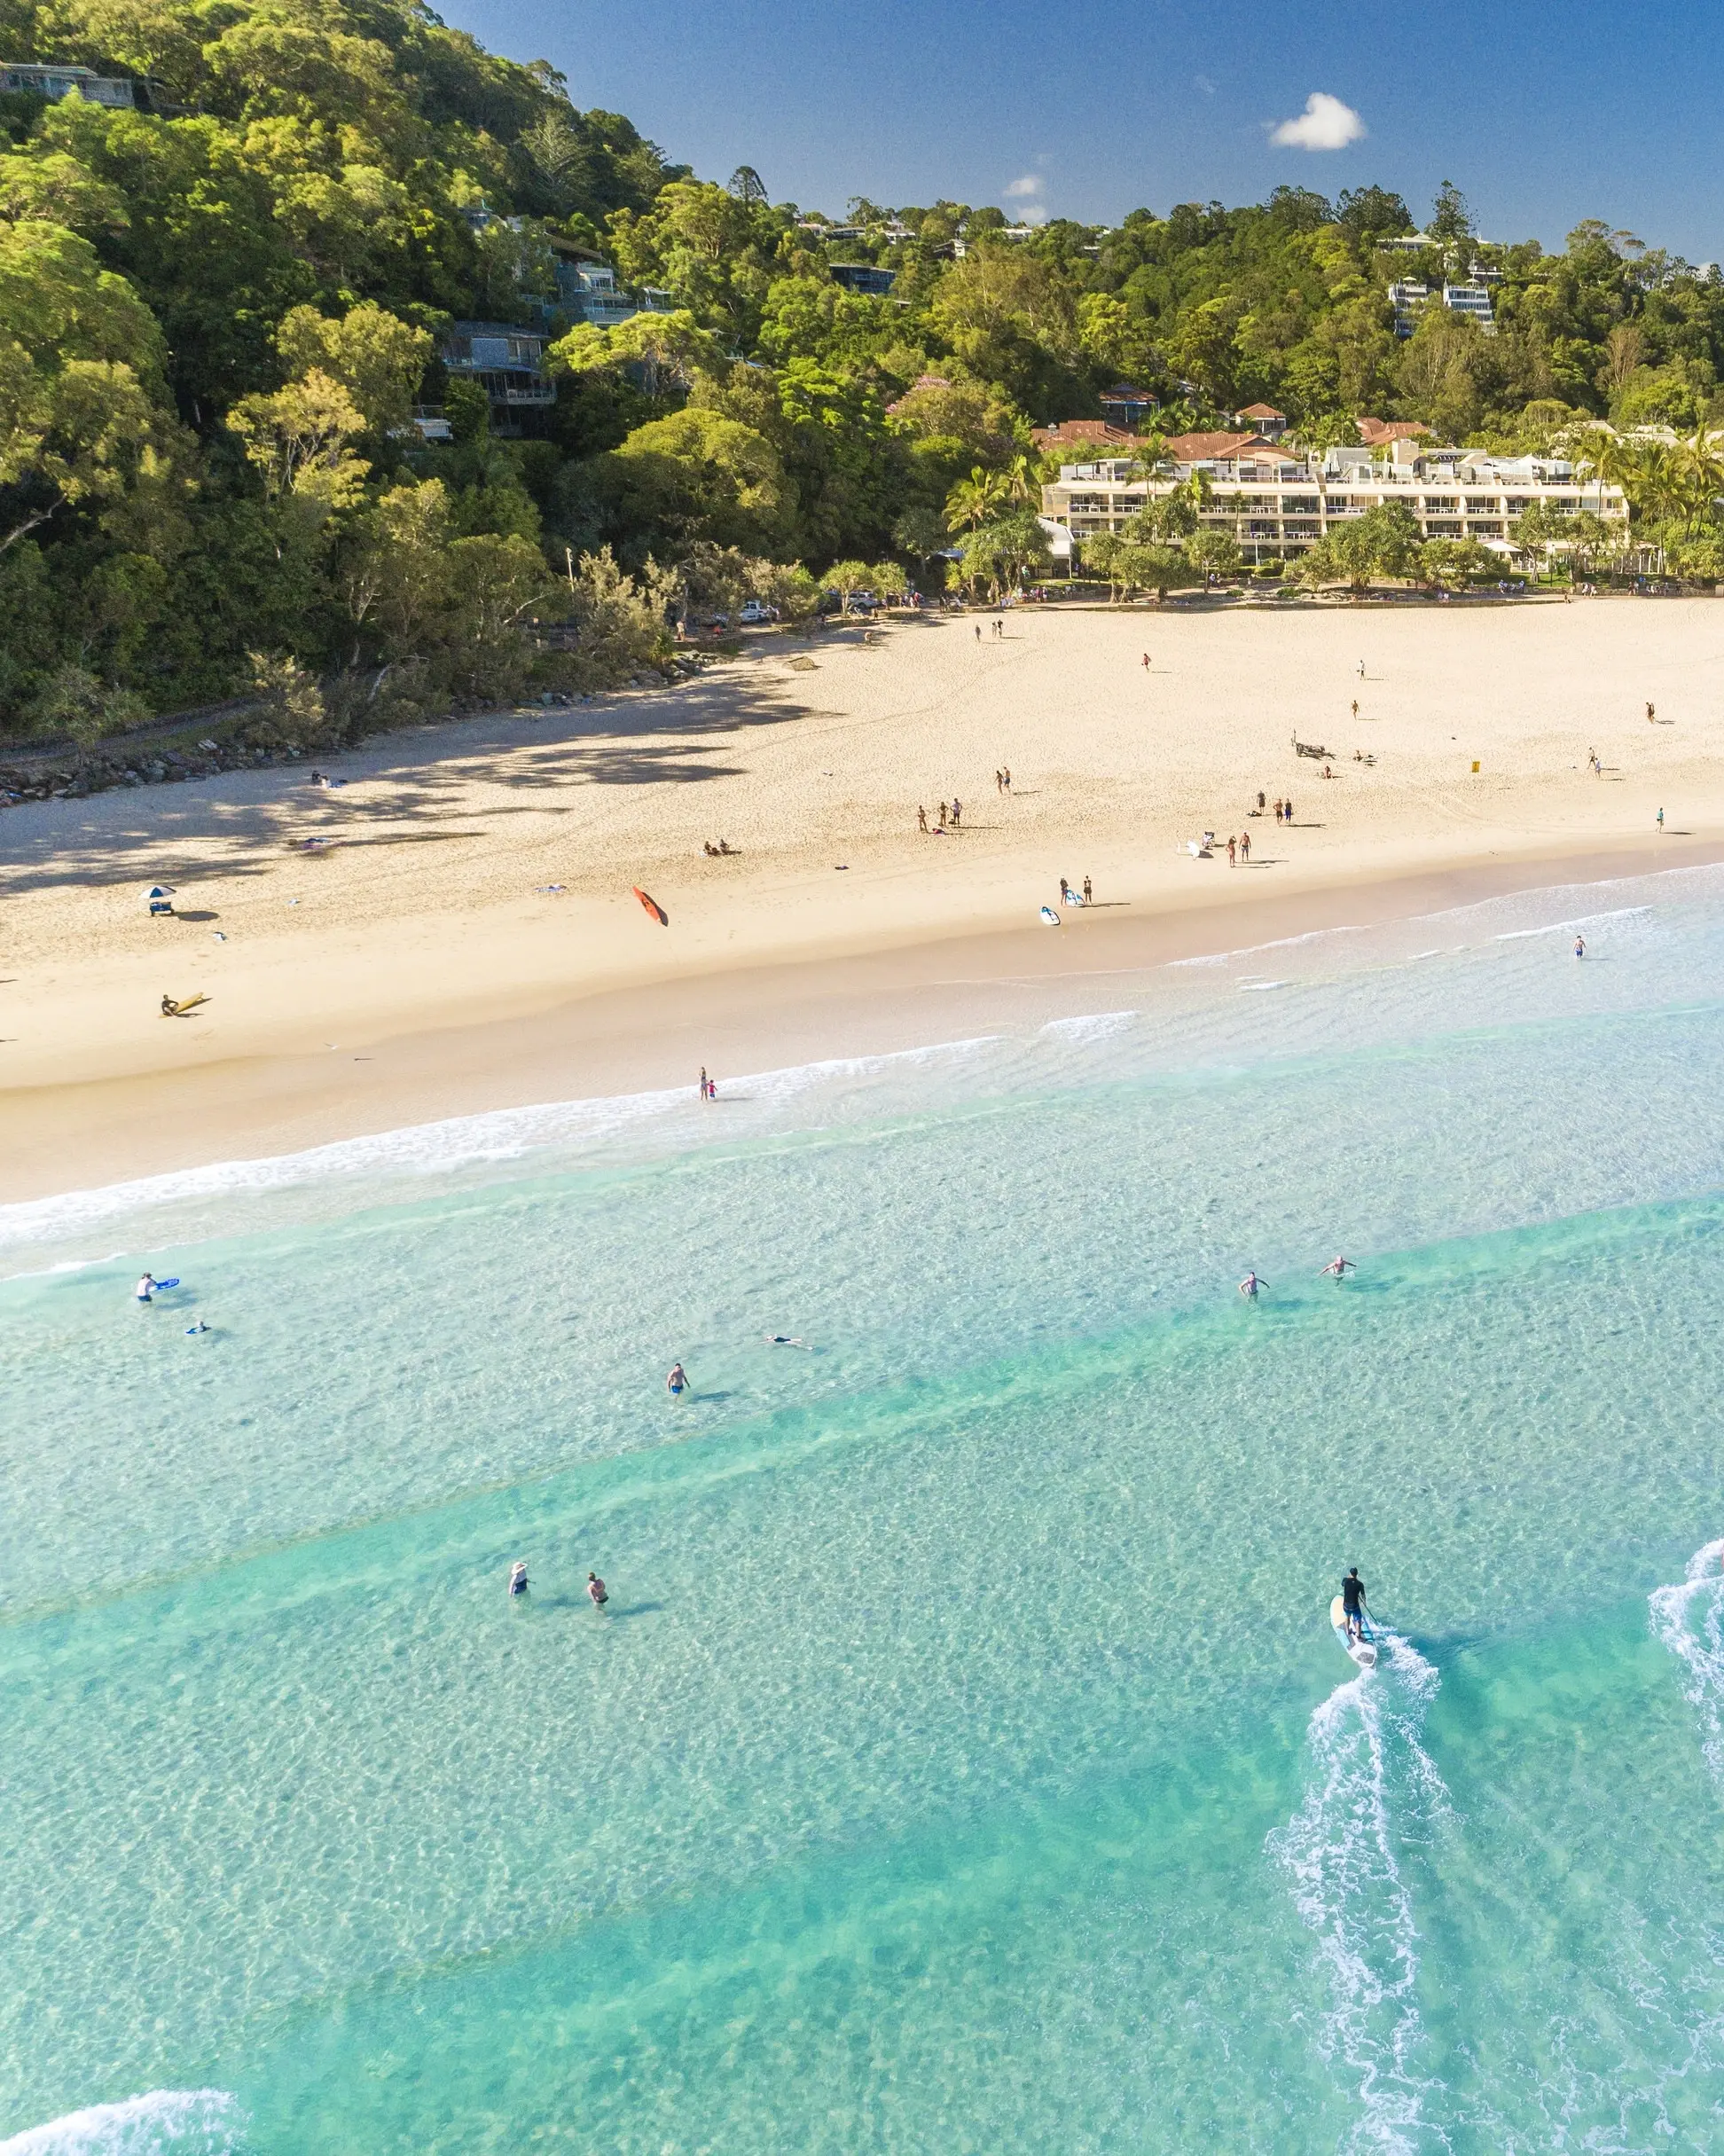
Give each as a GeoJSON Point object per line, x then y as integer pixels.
{"type": "Point", "coordinates": [951, 817]}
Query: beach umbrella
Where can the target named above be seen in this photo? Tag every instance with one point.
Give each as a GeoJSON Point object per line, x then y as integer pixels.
{"type": "Point", "coordinates": [161, 898]}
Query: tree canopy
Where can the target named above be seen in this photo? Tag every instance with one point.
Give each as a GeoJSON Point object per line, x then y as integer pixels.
{"type": "Point", "coordinates": [220, 309]}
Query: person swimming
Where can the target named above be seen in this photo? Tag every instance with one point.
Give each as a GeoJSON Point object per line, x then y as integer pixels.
{"type": "Point", "coordinates": [1248, 1287]}
{"type": "Point", "coordinates": [1340, 1267]}
{"type": "Point", "coordinates": [146, 1288]}
{"type": "Point", "coordinates": [198, 1327]}
{"type": "Point", "coordinates": [517, 1577]}
{"type": "Point", "coordinates": [783, 1339]}
{"type": "Point", "coordinates": [596, 1589]}
{"type": "Point", "coordinates": [677, 1382]}
{"type": "Point", "coordinates": [1352, 1604]}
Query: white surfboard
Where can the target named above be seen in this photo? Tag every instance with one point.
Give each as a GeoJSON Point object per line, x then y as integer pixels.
{"type": "Point", "coordinates": [1363, 1649]}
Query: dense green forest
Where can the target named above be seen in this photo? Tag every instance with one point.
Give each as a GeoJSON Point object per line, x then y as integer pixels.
{"type": "Point", "coordinates": [220, 309]}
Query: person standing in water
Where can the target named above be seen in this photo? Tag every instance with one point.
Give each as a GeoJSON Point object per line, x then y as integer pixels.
{"type": "Point", "coordinates": [1352, 1603]}
{"type": "Point", "coordinates": [1340, 1267]}
{"type": "Point", "coordinates": [1579, 946]}
{"type": "Point", "coordinates": [517, 1577]}
{"type": "Point", "coordinates": [677, 1382]}
{"type": "Point", "coordinates": [597, 1590]}
{"type": "Point", "coordinates": [1248, 1287]}
{"type": "Point", "coordinates": [146, 1288]}
{"type": "Point", "coordinates": [703, 1082]}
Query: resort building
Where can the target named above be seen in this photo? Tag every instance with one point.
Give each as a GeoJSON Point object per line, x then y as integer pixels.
{"type": "Point", "coordinates": [506, 361]}
{"type": "Point", "coordinates": [52, 79]}
{"type": "Point", "coordinates": [1125, 406]}
{"type": "Point", "coordinates": [1410, 298]}
{"type": "Point", "coordinates": [1278, 503]}
{"type": "Point", "coordinates": [865, 277]}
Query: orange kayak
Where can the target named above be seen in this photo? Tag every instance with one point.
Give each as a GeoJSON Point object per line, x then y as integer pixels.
{"type": "Point", "coordinates": [652, 906]}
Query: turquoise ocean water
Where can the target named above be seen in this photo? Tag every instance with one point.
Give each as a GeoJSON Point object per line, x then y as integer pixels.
{"type": "Point", "coordinates": [964, 1761]}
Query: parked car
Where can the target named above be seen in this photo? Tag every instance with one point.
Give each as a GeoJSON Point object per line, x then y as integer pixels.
{"type": "Point", "coordinates": [861, 602]}
{"type": "Point", "coordinates": [756, 614]}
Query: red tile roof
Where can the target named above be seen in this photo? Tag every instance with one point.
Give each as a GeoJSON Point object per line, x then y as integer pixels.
{"type": "Point", "coordinates": [1259, 411]}
{"type": "Point", "coordinates": [1375, 433]}
{"type": "Point", "coordinates": [1199, 449]}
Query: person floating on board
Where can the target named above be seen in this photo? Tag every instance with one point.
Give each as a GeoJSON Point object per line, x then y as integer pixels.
{"type": "Point", "coordinates": [1340, 1267]}
{"type": "Point", "coordinates": [1248, 1287]}
{"type": "Point", "coordinates": [677, 1382]}
{"type": "Point", "coordinates": [1352, 1604]}
{"type": "Point", "coordinates": [198, 1327]}
{"type": "Point", "coordinates": [596, 1589]}
{"type": "Point", "coordinates": [146, 1288]}
{"type": "Point", "coordinates": [517, 1577]}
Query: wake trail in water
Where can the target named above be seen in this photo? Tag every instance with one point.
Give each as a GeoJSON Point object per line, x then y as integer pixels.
{"type": "Point", "coordinates": [1688, 1618]}
{"type": "Point", "coordinates": [1372, 1788]}
{"type": "Point", "coordinates": [164, 2122]}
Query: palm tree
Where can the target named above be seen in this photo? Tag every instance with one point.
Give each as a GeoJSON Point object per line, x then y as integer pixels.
{"type": "Point", "coordinates": [974, 500]}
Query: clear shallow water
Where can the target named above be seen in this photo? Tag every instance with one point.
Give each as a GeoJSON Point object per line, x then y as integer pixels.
{"type": "Point", "coordinates": [964, 1760]}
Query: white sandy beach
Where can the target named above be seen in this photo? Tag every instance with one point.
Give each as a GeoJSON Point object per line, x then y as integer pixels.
{"type": "Point", "coordinates": [416, 963]}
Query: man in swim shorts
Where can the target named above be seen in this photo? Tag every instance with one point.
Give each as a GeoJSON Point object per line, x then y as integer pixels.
{"type": "Point", "coordinates": [596, 1588]}
{"type": "Point", "coordinates": [1248, 1287]}
{"type": "Point", "coordinates": [677, 1381]}
{"type": "Point", "coordinates": [145, 1289]}
{"type": "Point", "coordinates": [1352, 1603]}
{"type": "Point", "coordinates": [1340, 1267]}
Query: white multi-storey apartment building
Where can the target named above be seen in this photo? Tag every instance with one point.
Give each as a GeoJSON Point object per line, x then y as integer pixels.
{"type": "Point", "coordinates": [1277, 503]}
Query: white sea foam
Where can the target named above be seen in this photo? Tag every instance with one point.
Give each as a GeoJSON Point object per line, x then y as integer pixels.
{"type": "Point", "coordinates": [1371, 1787]}
{"type": "Point", "coordinates": [164, 2122]}
{"type": "Point", "coordinates": [1688, 1618]}
{"type": "Point", "coordinates": [1567, 927]}
{"type": "Point", "coordinates": [457, 1142]}
{"type": "Point", "coordinates": [1094, 1025]}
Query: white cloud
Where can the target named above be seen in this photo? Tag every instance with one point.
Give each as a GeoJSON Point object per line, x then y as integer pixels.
{"type": "Point", "coordinates": [1325, 124]}
{"type": "Point", "coordinates": [1030, 185]}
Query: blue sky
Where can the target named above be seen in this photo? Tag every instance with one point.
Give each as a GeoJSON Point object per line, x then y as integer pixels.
{"type": "Point", "coordinates": [1541, 113]}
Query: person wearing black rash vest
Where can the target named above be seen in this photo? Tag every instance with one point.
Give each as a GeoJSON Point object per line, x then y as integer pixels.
{"type": "Point", "coordinates": [1352, 1603]}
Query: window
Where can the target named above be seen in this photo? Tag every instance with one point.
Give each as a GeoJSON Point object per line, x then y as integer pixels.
{"type": "Point", "coordinates": [1302, 532]}
{"type": "Point", "coordinates": [1440, 502]}
{"type": "Point", "coordinates": [1485, 503]}
{"type": "Point", "coordinates": [1299, 505]}
{"type": "Point", "coordinates": [1088, 504]}
{"type": "Point", "coordinates": [1483, 531]}
{"type": "Point", "coordinates": [1438, 529]}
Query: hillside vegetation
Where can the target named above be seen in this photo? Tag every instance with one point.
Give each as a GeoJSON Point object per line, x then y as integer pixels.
{"type": "Point", "coordinates": [217, 316]}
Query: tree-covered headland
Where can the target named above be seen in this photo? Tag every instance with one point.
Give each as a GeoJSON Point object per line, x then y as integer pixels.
{"type": "Point", "coordinates": [222, 306]}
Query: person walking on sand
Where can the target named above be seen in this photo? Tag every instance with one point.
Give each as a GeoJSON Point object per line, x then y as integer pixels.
{"type": "Point", "coordinates": [978, 632]}
{"type": "Point", "coordinates": [1232, 851]}
{"type": "Point", "coordinates": [921, 819]}
{"type": "Point", "coordinates": [1006, 775]}
{"type": "Point", "coordinates": [1355, 706]}
{"type": "Point", "coordinates": [597, 1591]}
{"type": "Point", "coordinates": [999, 782]}
{"type": "Point", "coordinates": [1088, 892]}
{"type": "Point", "coordinates": [1361, 670]}
{"type": "Point", "coordinates": [1651, 715]}
{"type": "Point", "coordinates": [1245, 848]}
{"type": "Point", "coordinates": [1661, 820]}
{"type": "Point", "coordinates": [957, 811]}
{"type": "Point", "coordinates": [1289, 808]}
{"type": "Point", "coordinates": [943, 816]}
{"type": "Point", "coordinates": [1278, 808]}
{"type": "Point", "coordinates": [1146, 661]}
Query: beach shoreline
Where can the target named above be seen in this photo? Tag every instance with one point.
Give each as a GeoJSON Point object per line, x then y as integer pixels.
{"type": "Point", "coordinates": [453, 927]}
{"type": "Point", "coordinates": [654, 1035]}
